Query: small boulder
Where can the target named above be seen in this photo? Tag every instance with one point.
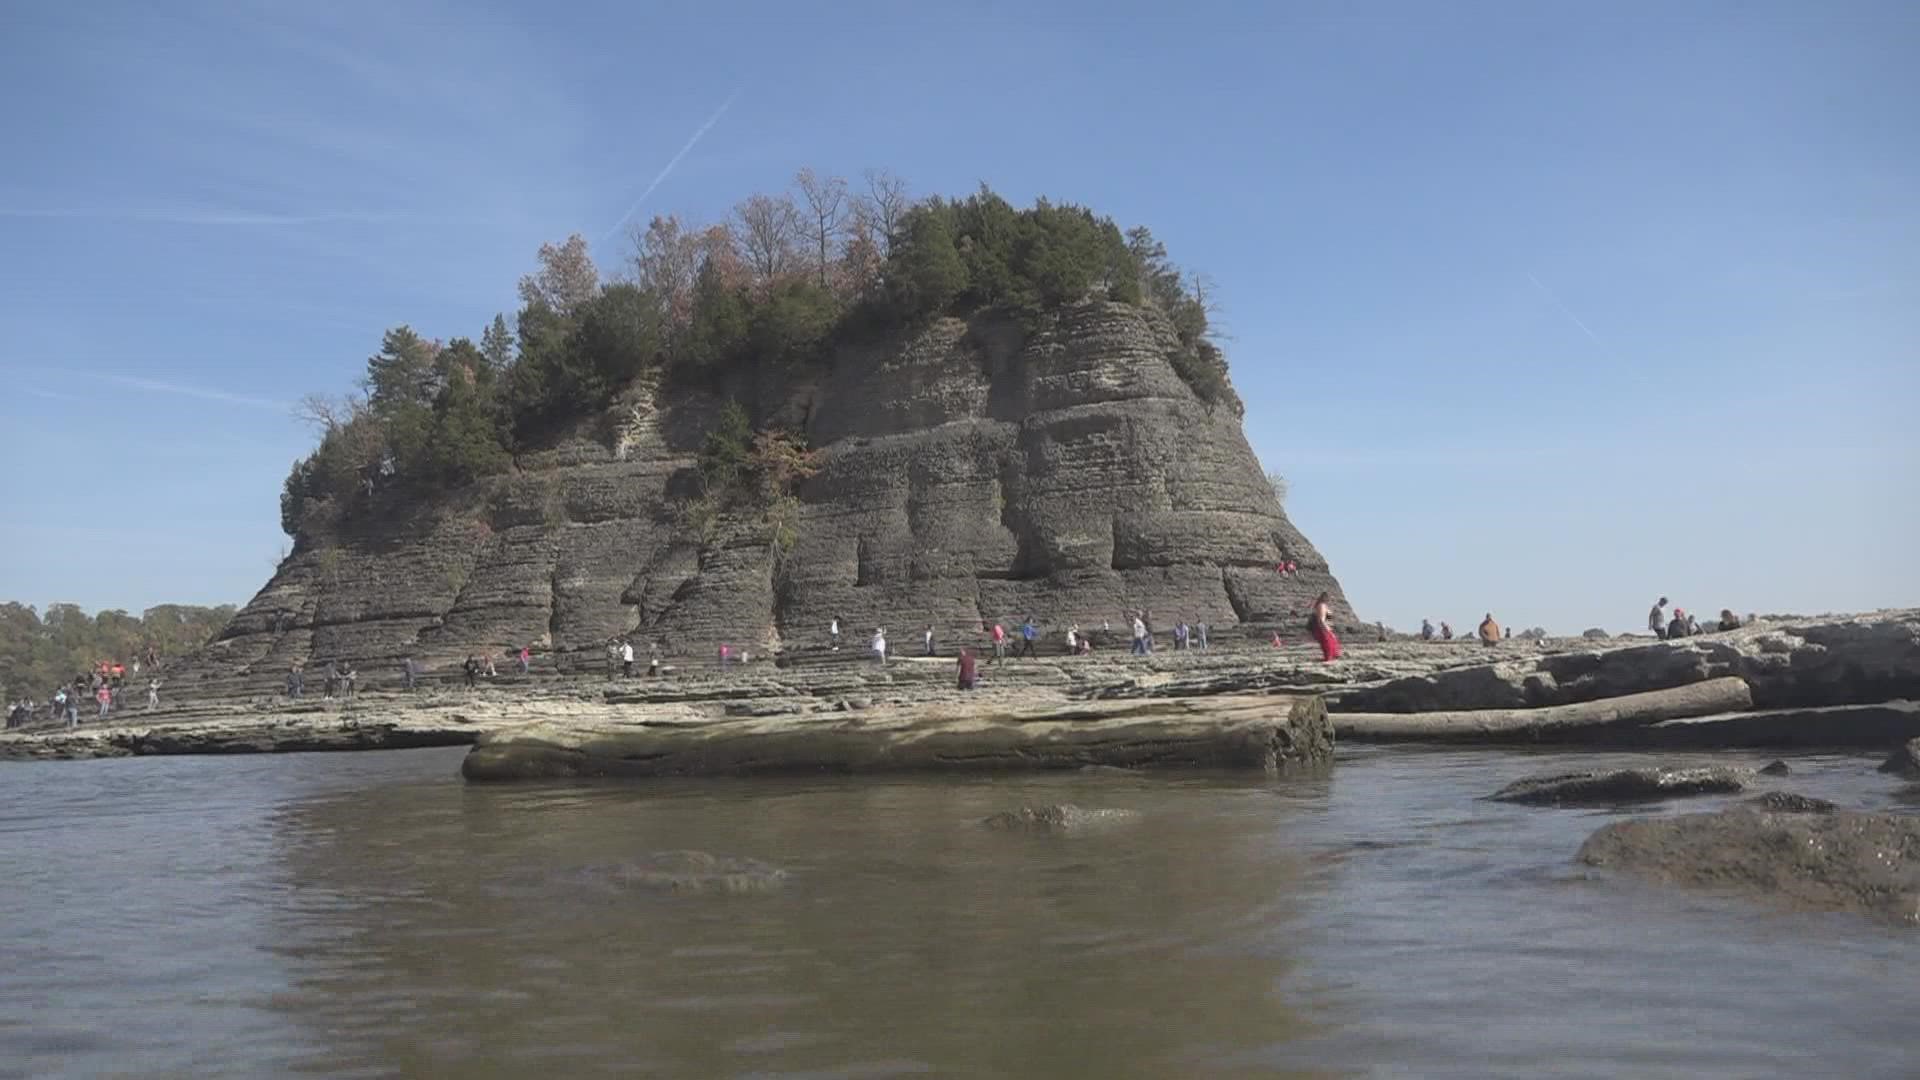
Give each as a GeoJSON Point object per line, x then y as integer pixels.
{"type": "Point", "coordinates": [1836, 860]}
{"type": "Point", "coordinates": [1905, 761]}
{"type": "Point", "coordinates": [1623, 785]}
{"type": "Point", "coordinates": [683, 872]}
{"type": "Point", "coordinates": [1786, 802]}
{"type": "Point", "coordinates": [1778, 768]}
{"type": "Point", "coordinates": [1058, 817]}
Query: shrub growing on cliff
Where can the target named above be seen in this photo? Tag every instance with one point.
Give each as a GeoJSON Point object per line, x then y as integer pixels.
{"type": "Point", "coordinates": [771, 285]}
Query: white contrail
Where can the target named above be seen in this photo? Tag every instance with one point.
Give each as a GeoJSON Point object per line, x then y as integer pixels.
{"type": "Point", "coordinates": [201, 216]}
{"type": "Point", "coordinates": [1564, 310]}
{"type": "Point", "coordinates": [672, 162]}
{"type": "Point", "coordinates": [158, 386]}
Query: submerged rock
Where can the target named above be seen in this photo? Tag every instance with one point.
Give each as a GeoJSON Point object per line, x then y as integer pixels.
{"type": "Point", "coordinates": [1058, 817]}
{"type": "Point", "coordinates": [684, 872]}
{"type": "Point", "coordinates": [1623, 785]}
{"type": "Point", "coordinates": [1778, 768]}
{"type": "Point", "coordinates": [1787, 802]}
{"type": "Point", "coordinates": [1905, 761]}
{"type": "Point", "coordinates": [1838, 860]}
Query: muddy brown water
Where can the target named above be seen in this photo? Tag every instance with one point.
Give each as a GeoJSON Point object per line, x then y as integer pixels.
{"type": "Point", "coordinates": [370, 915]}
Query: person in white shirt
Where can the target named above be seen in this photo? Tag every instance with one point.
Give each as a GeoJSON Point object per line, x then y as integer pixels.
{"type": "Point", "coordinates": [626, 659]}
{"type": "Point", "coordinates": [880, 645]}
{"type": "Point", "coordinates": [833, 633]}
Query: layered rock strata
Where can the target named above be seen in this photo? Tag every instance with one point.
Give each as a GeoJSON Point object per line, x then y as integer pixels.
{"type": "Point", "coordinates": [970, 472]}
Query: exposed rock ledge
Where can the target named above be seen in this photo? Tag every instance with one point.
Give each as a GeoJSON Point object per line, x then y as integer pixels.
{"type": "Point", "coordinates": [1238, 732]}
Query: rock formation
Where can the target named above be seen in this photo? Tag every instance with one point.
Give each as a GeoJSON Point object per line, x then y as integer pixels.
{"type": "Point", "coordinates": [970, 471]}
{"type": "Point", "coordinates": [1827, 859]}
{"type": "Point", "coordinates": [1623, 786]}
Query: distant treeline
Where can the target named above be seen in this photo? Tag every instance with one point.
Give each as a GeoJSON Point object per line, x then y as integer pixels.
{"type": "Point", "coordinates": [781, 282]}
{"type": "Point", "coordinates": [38, 652]}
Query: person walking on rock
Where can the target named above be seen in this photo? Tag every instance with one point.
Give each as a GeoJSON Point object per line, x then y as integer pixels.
{"type": "Point", "coordinates": [1029, 633]}
{"type": "Point", "coordinates": [1201, 628]}
{"type": "Point", "coordinates": [470, 671]}
{"type": "Point", "coordinates": [409, 674]}
{"type": "Point", "coordinates": [967, 670]}
{"type": "Point", "coordinates": [879, 645]}
{"type": "Point", "coordinates": [153, 694]}
{"type": "Point", "coordinates": [999, 636]}
{"type": "Point", "coordinates": [1426, 630]}
{"type": "Point", "coordinates": [1657, 619]}
{"type": "Point", "coordinates": [626, 659]}
{"type": "Point", "coordinates": [296, 682]}
{"type": "Point", "coordinates": [833, 633]}
{"type": "Point", "coordinates": [1677, 628]}
{"type": "Point", "coordinates": [1140, 647]}
{"type": "Point", "coordinates": [653, 659]}
{"type": "Point", "coordinates": [526, 658]}
{"type": "Point", "coordinates": [1073, 640]}
{"type": "Point", "coordinates": [105, 697]}
{"type": "Point", "coordinates": [928, 638]}
{"type": "Point", "coordinates": [1489, 630]}
{"type": "Point", "coordinates": [1320, 625]}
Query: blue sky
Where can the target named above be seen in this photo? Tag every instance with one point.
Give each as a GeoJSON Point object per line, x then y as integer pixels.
{"type": "Point", "coordinates": [1546, 308]}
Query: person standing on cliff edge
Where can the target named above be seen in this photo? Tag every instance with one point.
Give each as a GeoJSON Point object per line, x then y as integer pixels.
{"type": "Point", "coordinates": [1489, 630]}
{"type": "Point", "coordinates": [1657, 619]}
{"type": "Point", "coordinates": [1320, 625]}
{"type": "Point", "coordinates": [626, 659]}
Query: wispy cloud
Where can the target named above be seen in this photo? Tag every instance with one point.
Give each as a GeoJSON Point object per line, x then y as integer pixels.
{"type": "Point", "coordinates": [1564, 310]}
{"type": "Point", "coordinates": [672, 163]}
{"type": "Point", "coordinates": [159, 386]}
{"type": "Point", "coordinates": [205, 216]}
{"type": "Point", "coordinates": [50, 395]}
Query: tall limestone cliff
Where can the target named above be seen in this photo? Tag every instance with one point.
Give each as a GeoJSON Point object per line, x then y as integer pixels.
{"type": "Point", "coordinates": [969, 472]}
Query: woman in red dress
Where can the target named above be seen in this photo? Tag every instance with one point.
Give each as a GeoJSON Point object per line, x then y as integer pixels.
{"type": "Point", "coordinates": [1320, 625]}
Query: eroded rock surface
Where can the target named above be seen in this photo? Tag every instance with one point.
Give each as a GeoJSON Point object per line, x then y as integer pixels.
{"type": "Point", "coordinates": [1840, 860]}
{"type": "Point", "coordinates": [1623, 785]}
{"type": "Point", "coordinates": [1842, 660]}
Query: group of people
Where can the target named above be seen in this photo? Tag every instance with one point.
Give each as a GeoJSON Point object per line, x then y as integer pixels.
{"type": "Point", "coordinates": [102, 686]}
{"type": "Point", "coordinates": [1682, 624]}
{"type": "Point", "coordinates": [620, 655]}
{"type": "Point", "coordinates": [1489, 631]}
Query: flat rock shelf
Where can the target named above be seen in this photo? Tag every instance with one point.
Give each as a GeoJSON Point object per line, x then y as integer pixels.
{"type": "Point", "coordinates": [1273, 733]}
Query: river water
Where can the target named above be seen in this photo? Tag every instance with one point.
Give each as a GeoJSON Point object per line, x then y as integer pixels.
{"type": "Point", "coordinates": [370, 915]}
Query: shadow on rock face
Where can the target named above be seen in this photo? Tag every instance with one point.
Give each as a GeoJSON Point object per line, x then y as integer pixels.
{"type": "Point", "coordinates": [686, 872]}
{"type": "Point", "coordinates": [1623, 785]}
{"type": "Point", "coordinates": [1059, 817]}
